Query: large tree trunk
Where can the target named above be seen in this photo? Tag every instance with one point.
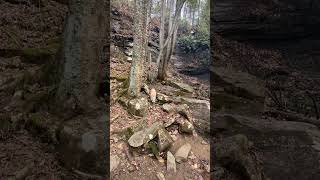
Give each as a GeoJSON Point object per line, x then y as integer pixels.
{"type": "Point", "coordinates": [139, 47]}
{"type": "Point", "coordinates": [82, 55]}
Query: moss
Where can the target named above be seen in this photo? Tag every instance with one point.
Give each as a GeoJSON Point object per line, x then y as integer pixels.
{"type": "Point", "coordinates": [153, 148]}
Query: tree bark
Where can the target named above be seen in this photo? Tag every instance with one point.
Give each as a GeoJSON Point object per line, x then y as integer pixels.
{"type": "Point", "coordinates": [82, 55]}
{"type": "Point", "coordinates": [139, 47]}
{"type": "Point", "coordinates": [162, 65]}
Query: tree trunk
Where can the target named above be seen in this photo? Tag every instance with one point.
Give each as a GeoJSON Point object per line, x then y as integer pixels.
{"type": "Point", "coordinates": [164, 63]}
{"type": "Point", "coordinates": [139, 47]}
{"type": "Point", "coordinates": [82, 55]}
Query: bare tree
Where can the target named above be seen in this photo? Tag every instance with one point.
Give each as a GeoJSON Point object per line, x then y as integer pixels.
{"type": "Point", "coordinates": [165, 54]}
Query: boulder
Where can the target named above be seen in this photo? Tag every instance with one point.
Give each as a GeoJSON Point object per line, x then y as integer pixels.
{"type": "Point", "coordinates": [144, 136]}
{"type": "Point", "coordinates": [138, 106]}
{"type": "Point", "coordinates": [285, 147]}
{"type": "Point", "coordinates": [233, 152]}
{"type": "Point", "coordinates": [182, 153]}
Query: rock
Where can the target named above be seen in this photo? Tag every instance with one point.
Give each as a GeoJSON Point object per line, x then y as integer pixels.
{"type": "Point", "coordinates": [169, 122]}
{"type": "Point", "coordinates": [240, 83]}
{"type": "Point", "coordinates": [186, 127]}
{"type": "Point", "coordinates": [183, 109]}
{"type": "Point", "coordinates": [81, 143]}
{"type": "Point", "coordinates": [130, 44]}
{"type": "Point", "coordinates": [168, 108]}
{"type": "Point", "coordinates": [145, 88]}
{"type": "Point", "coordinates": [171, 162]}
{"type": "Point", "coordinates": [182, 153]}
{"type": "Point", "coordinates": [160, 176]}
{"type": "Point", "coordinates": [182, 86]}
{"type": "Point", "coordinates": [128, 52]}
{"type": "Point", "coordinates": [138, 107]}
{"type": "Point", "coordinates": [163, 98]}
{"type": "Point", "coordinates": [137, 138]}
{"type": "Point", "coordinates": [233, 19]}
{"type": "Point", "coordinates": [164, 140]}
{"type": "Point", "coordinates": [114, 162]}
{"type": "Point", "coordinates": [153, 95]}
{"type": "Point", "coordinates": [144, 136]}
{"type": "Point", "coordinates": [129, 59]}
{"type": "Point", "coordinates": [300, 139]}
{"type": "Point", "coordinates": [152, 131]}
{"type": "Point", "coordinates": [193, 101]}
{"type": "Point", "coordinates": [233, 152]}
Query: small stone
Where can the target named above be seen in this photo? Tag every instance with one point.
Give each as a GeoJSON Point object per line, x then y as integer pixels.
{"type": "Point", "coordinates": [169, 122]}
{"type": "Point", "coordinates": [204, 142]}
{"type": "Point", "coordinates": [136, 139]}
{"type": "Point", "coordinates": [146, 88]}
{"type": "Point", "coordinates": [114, 162]}
{"type": "Point", "coordinates": [168, 108]}
{"type": "Point", "coordinates": [153, 95]}
{"type": "Point", "coordinates": [183, 110]}
{"type": "Point", "coordinates": [195, 166]}
{"type": "Point", "coordinates": [128, 52]}
{"type": "Point", "coordinates": [130, 44]}
{"type": "Point", "coordinates": [182, 153]}
{"type": "Point", "coordinates": [192, 156]}
{"type": "Point", "coordinates": [174, 138]}
{"type": "Point", "coordinates": [129, 59]}
{"type": "Point", "coordinates": [171, 162]}
{"type": "Point", "coordinates": [163, 98]}
{"type": "Point", "coordinates": [186, 127]}
{"type": "Point", "coordinates": [164, 140]}
{"type": "Point", "coordinates": [160, 176]}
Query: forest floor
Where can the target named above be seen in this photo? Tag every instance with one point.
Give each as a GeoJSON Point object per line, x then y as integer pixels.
{"type": "Point", "coordinates": [142, 164]}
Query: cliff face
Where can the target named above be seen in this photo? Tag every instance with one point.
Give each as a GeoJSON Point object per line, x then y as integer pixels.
{"type": "Point", "coordinates": [266, 19]}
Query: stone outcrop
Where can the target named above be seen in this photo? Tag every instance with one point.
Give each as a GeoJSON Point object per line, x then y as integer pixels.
{"type": "Point", "coordinates": [270, 19]}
